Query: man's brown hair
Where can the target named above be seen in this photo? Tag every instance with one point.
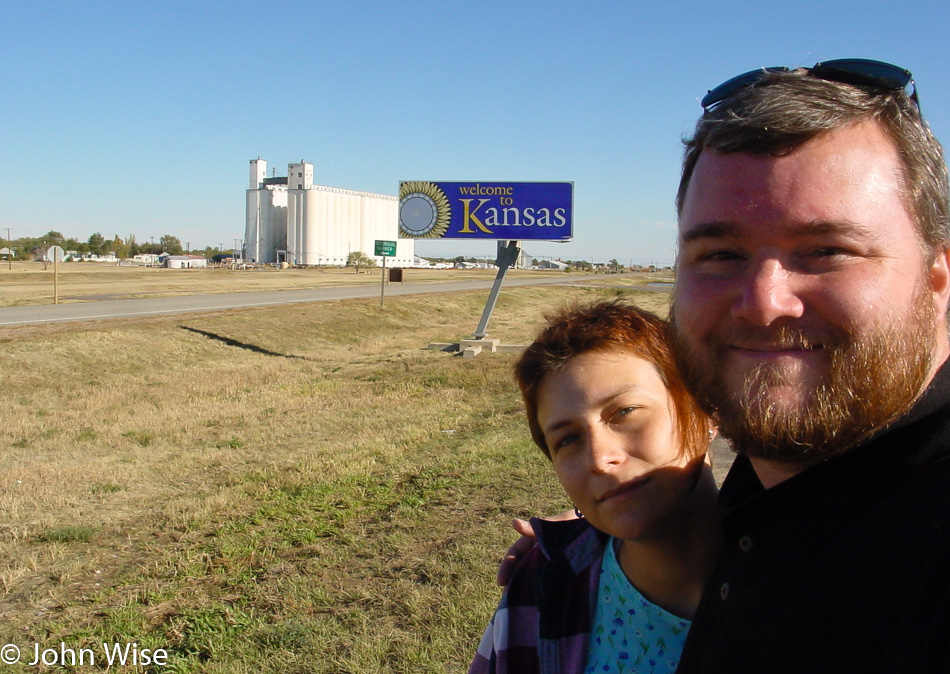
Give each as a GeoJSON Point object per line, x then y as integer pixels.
{"type": "Point", "coordinates": [784, 110]}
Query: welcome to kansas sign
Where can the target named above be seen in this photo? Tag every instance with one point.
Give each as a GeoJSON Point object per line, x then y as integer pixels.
{"type": "Point", "coordinates": [493, 210]}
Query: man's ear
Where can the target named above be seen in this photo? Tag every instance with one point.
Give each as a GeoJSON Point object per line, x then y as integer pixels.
{"type": "Point", "coordinates": [939, 275]}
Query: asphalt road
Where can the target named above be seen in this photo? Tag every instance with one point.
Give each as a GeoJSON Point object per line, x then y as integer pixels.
{"type": "Point", "coordinates": [155, 306]}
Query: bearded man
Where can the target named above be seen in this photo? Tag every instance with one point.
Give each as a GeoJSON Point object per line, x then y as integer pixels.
{"type": "Point", "coordinates": [810, 319]}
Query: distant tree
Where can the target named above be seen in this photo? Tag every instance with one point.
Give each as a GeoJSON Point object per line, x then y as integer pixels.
{"type": "Point", "coordinates": [130, 248]}
{"type": "Point", "coordinates": [120, 248]}
{"type": "Point", "coordinates": [95, 243]}
{"type": "Point", "coordinates": [73, 244]}
{"type": "Point", "coordinates": [616, 266]}
{"type": "Point", "coordinates": [359, 259]}
{"type": "Point", "coordinates": [171, 244]}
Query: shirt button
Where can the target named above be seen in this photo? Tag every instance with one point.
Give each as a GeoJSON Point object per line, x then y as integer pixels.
{"type": "Point", "coordinates": [745, 543]}
{"type": "Point", "coordinates": [724, 591]}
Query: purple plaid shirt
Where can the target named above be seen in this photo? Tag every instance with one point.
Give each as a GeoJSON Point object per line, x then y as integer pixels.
{"type": "Point", "coordinates": [544, 619]}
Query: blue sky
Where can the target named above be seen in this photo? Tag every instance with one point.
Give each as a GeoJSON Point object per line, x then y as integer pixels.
{"type": "Point", "coordinates": [140, 117]}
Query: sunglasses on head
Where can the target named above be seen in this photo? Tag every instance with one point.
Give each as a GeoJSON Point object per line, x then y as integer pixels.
{"type": "Point", "coordinates": [856, 72]}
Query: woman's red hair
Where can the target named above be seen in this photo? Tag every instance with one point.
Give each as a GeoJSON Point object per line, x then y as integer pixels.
{"type": "Point", "coordinates": [615, 327]}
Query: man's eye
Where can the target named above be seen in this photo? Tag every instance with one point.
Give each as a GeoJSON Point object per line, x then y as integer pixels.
{"type": "Point", "coordinates": [712, 257]}
{"type": "Point", "coordinates": [720, 256]}
{"type": "Point", "coordinates": [827, 251]}
{"type": "Point", "coordinates": [826, 258]}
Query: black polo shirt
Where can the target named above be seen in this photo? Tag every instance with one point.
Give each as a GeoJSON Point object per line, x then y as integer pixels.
{"type": "Point", "coordinates": [842, 568]}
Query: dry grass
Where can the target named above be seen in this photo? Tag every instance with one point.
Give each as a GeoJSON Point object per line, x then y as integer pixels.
{"type": "Point", "coordinates": [302, 488]}
{"type": "Point", "coordinates": [29, 283]}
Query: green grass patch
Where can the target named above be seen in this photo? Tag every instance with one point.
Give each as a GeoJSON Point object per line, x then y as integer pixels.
{"type": "Point", "coordinates": [106, 488]}
{"type": "Point", "coordinates": [67, 534]}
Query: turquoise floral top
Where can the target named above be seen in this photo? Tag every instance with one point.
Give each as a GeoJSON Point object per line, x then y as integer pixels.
{"type": "Point", "coordinates": [631, 635]}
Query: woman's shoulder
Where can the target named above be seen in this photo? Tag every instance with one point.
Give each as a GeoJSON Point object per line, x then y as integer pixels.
{"type": "Point", "coordinates": [565, 550]}
{"type": "Point", "coordinates": [562, 558]}
{"type": "Point", "coordinates": [575, 539]}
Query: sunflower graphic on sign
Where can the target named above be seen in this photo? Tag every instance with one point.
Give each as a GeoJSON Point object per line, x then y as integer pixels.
{"type": "Point", "coordinates": [424, 210]}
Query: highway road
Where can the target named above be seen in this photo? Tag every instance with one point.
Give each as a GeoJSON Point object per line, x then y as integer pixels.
{"type": "Point", "coordinates": [155, 306]}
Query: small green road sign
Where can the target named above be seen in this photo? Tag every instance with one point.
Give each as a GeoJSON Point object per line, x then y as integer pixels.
{"type": "Point", "coordinates": [385, 248]}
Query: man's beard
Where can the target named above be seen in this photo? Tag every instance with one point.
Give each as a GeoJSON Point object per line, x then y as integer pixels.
{"type": "Point", "coordinates": [873, 378]}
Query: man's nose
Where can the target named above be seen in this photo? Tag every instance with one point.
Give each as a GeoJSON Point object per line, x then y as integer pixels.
{"type": "Point", "coordinates": [768, 293]}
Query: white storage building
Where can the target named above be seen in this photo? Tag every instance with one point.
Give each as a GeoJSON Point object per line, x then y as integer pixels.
{"type": "Point", "coordinates": [184, 261]}
{"type": "Point", "coordinates": [289, 219]}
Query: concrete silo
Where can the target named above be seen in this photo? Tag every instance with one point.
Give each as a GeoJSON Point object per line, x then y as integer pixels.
{"type": "Point", "coordinates": [291, 219]}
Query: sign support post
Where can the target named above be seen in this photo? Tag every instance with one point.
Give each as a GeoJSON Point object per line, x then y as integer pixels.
{"type": "Point", "coordinates": [384, 249]}
{"type": "Point", "coordinates": [57, 254]}
{"type": "Point", "coordinates": [507, 256]}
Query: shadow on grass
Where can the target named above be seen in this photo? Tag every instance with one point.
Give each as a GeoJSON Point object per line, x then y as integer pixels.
{"type": "Point", "coordinates": [241, 345]}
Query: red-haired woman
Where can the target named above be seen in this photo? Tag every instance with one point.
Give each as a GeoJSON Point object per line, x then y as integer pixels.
{"type": "Point", "coordinates": [613, 591]}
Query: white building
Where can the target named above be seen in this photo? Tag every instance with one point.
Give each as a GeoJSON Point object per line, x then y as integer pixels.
{"type": "Point", "coordinates": [147, 259]}
{"type": "Point", "coordinates": [552, 264]}
{"type": "Point", "coordinates": [185, 261]}
{"type": "Point", "coordinates": [289, 219]}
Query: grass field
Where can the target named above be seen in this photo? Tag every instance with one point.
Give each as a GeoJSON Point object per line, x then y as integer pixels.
{"type": "Point", "coordinates": [27, 283]}
{"type": "Point", "coordinates": [296, 489]}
